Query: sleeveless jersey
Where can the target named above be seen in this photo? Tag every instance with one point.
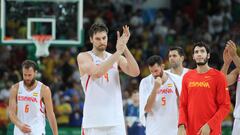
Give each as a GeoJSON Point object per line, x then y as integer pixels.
{"type": "Point", "coordinates": [236, 112]}
{"type": "Point", "coordinates": [30, 110]}
{"type": "Point", "coordinates": [164, 116]}
{"type": "Point", "coordinates": [103, 98]}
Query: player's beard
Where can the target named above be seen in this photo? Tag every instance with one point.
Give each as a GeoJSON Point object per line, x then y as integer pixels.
{"type": "Point", "coordinates": [29, 84]}
{"type": "Point", "coordinates": [202, 63]}
{"type": "Point", "coordinates": [159, 75]}
{"type": "Point", "coordinates": [174, 65]}
{"type": "Point", "coordinates": [101, 48]}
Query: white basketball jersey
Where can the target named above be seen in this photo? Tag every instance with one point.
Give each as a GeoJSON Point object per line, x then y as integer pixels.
{"type": "Point", "coordinates": [103, 98]}
{"type": "Point", "coordinates": [164, 116]}
{"type": "Point", "coordinates": [30, 110]}
{"type": "Point", "coordinates": [236, 112]}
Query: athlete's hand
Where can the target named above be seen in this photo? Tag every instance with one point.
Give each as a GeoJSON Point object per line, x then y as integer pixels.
{"type": "Point", "coordinates": [226, 57]}
{"type": "Point", "coordinates": [181, 130]}
{"type": "Point", "coordinates": [126, 34]}
{"type": "Point", "coordinates": [232, 49]}
{"type": "Point", "coordinates": [157, 83]}
{"type": "Point", "coordinates": [205, 130]}
{"type": "Point", "coordinates": [25, 128]}
{"type": "Point", "coordinates": [122, 40]}
{"type": "Point", "coordinates": [121, 43]}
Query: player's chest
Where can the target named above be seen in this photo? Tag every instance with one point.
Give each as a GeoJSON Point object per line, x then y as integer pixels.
{"type": "Point", "coordinates": [201, 84]}
{"type": "Point", "coordinates": [30, 97]}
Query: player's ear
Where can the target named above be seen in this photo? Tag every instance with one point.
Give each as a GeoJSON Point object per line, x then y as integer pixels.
{"type": "Point", "coordinates": [208, 55]}
{"type": "Point", "coordinates": [182, 57]}
{"type": "Point", "coordinates": [91, 39]}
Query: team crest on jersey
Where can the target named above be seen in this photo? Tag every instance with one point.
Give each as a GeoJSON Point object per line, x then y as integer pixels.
{"type": "Point", "coordinates": [35, 94]}
{"type": "Point", "coordinates": [170, 85]}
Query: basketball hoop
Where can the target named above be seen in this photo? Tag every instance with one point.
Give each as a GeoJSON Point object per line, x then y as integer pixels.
{"type": "Point", "coordinates": [42, 43]}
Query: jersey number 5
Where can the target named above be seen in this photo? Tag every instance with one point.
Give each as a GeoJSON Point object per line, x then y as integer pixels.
{"type": "Point", "coordinates": [164, 101]}
{"type": "Point", "coordinates": [26, 108]}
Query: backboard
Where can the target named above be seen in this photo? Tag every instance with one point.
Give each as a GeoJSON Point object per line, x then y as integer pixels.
{"type": "Point", "coordinates": [62, 19]}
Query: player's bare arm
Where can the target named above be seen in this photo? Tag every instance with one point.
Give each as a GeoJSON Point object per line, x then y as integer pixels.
{"type": "Point", "coordinates": [128, 63]}
{"type": "Point", "coordinates": [152, 97]}
{"type": "Point", "coordinates": [13, 110]}
{"type": "Point", "coordinates": [232, 77]}
{"type": "Point", "coordinates": [47, 98]}
{"type": "Point", "coordinates": [86, 65]}
{"type": "Point", "coordinates": [229, 54]}
{"type": "Point", "coordinates": [227, 59]}
{"type": "Point", "coordinates": [232, 50]}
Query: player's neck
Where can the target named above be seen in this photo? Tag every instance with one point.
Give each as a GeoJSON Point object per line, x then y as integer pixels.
{"type": "Point", "coordinates": [177, 70]}
{"type": "Point", "coordinates": [30, 88]}
{"type": "Point", "coordinates": [203, 68]}
{"type": "Point", "coordinates": [99, 54]}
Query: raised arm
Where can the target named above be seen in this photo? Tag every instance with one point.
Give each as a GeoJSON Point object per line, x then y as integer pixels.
{"type": "Point", "coordinates": [232, 49]}
{"type": "Point", "coordinates": [47, 98]}
{"type": "Point", "coordinates": [13, 110]}
{"type": "Point", "coordinates": [227, 59]}
{"type": "Point", "coordinates": [128, 64]}
{"type": "Point", "coordinates": [86, 65]}
{"type": "Point", "coordinates": [232, 77]}
{"type": "Point", "coordinates": [229, 55]}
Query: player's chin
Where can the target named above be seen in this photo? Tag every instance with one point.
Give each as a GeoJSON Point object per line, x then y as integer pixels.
{"type": "Point", "coordinates": [27, 82]}
{"type": "Point", "coordinates": [102, 48]}
{"type": "Point", "coordinates": [201, 63]}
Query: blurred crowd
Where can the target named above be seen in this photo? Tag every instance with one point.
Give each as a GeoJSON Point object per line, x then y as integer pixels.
{"type": "Point", "coordinates": [153, 31]}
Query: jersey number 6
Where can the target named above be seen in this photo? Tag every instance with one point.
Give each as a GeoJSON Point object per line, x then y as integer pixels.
{"type": "Point", "coordinates": [26, 108]}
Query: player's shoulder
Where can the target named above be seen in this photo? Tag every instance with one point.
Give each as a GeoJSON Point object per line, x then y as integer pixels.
{"type": "Point", "coordinates": [216, 72]}
{"type": "Point", "coordinates": [83, 55]}
{"type": "Point", "coordinates": [146, 79]}
{"type": "Point", "coordinates": [108, 53]}
{"type": "Point", "coordinates": [45, 89]}
{"type": "Point", "coordinates": [15, 86]}
{"type": "Point", "coordinates": [190, 72]}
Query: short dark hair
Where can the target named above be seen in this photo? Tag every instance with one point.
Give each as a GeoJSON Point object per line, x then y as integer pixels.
{"type": "Point", "coordinates": [155, 59]}
{"type": "Point", "coordinates": [29, 64]}
{"type": "Point", "coordinates": [178, 49]}
{"type": "Point", "coordinates": [201, 44]}
{"type": "Point", "coordinates": [97, 27]}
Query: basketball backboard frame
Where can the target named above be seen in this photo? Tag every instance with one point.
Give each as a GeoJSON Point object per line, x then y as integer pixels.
{"type": "Point", "coordinates": [33, 20]}
{"type": "Point", "coordinates": [77, 42]}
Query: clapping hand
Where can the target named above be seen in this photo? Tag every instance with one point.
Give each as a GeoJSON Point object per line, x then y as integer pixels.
{"type": "Point", "coordinates": [123, 39]}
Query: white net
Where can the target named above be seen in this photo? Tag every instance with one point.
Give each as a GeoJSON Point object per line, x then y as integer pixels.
{"type": "Point", "coordinates": [42, 43]}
